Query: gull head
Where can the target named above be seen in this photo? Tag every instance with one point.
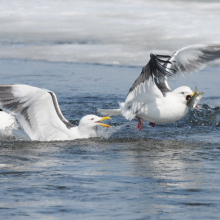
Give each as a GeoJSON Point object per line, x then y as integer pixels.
{"type": "Point", "coordinates": [187, 96]}
{"type": "Point", "coordinates": [184, 93]}
{"type": "Point", "coordinates": [91, 121]}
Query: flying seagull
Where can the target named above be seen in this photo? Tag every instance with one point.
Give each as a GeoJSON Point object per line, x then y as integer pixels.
{"type": "Point", "coordinates": [150, 97]}
{"type": "Point", "coordinates": [38, 113]}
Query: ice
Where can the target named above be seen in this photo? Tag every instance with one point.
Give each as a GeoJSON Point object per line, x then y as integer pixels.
{"type": "Point", "coordinates": [121, 32]}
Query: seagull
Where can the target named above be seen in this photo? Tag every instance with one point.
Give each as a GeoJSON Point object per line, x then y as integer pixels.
{"type": "Point", "coordinates": [150, 97]}
{"type": "Point", "coordinates": [38, 112]}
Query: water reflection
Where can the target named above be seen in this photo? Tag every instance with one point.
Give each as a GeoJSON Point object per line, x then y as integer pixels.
{"type": "Point", "coordinates": [148, 176]}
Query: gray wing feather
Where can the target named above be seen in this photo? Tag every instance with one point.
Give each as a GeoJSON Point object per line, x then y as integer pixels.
{"type": "Point", "coordinates": [56, 106]}
{"type": "Point", "coordinates": [8, 101]}
{"type": "Point", "coordinates": [193, 58]}
{"type": "Point", "coordinates": [19, 106]}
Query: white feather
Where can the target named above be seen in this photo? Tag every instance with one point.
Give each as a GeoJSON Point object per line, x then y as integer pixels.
{"type": "Point", "coordinates": [38, 113]}
{"type": "Point", "coordinates": [6, 120]}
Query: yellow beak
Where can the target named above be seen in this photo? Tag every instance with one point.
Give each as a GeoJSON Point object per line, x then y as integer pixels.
{"type": "Point", "coordinates": [102, 119]}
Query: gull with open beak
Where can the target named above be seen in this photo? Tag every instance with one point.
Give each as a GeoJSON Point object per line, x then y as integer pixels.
{"type": "Point", "coordinates": [38, 112]}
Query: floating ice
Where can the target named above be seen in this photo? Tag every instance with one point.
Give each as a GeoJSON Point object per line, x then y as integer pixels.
{"type": "Point", "coordinates": [106, 32]}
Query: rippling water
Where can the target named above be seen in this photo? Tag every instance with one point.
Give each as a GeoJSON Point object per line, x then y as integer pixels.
{"type": "Point", "coordinates": [167, 172]}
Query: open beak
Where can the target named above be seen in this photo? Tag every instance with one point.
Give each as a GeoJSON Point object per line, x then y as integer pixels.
{"type": "Point", "coordinates": [102, 119]}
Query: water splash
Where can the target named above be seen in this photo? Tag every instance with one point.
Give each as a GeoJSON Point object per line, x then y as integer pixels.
{"type": "Point", "coordinates": [13, 132]}
{"type": "Point", "coordinates": [107, 133]}
{"type": "Point", "coordinates": [206, 115]}
{"type": "Point", "coordinates": [8, 131]}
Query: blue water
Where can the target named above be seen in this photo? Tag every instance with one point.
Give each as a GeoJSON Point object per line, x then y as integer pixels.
{"type": "Point", "coordinates": [167, 172]}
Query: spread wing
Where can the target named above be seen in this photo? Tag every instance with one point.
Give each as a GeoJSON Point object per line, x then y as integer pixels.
{"type": "Point", "coordinates": [192, 58]}
{"type": "Point", "coordinates": [36, 109]}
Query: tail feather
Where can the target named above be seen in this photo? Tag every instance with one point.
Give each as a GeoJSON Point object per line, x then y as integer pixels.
{"type": "Point", "coordinates": [109, 112]}
{"type": "Point", "coordinates": [123, 110]}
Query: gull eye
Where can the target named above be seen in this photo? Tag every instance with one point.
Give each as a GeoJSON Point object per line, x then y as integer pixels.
{"type": "Point", "coordinates": [182, 93]}
{"type": "Point", "coordinates": [92, 119]}
{"type": "Point", "coordinates": [188, 97]}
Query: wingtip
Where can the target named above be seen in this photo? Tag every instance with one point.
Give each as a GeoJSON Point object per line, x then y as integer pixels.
{"type": "Point", "coordinates": [152, 55]}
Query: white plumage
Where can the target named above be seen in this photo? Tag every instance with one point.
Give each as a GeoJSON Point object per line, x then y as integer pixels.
{"type": "Point", "coordinates": [6, 120]}
{"type": "Point", "coordinates": [38, 113]}
{"type": "Point", "coordinates": [150, 97]}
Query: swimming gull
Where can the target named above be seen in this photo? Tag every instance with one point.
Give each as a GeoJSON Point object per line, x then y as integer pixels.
{"type": "Point", "coordinates": [38, 113]}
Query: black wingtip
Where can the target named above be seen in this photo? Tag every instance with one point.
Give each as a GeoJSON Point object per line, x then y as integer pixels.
{"type": "Point", "coordinates": [155, 69]}
{"type": "Point", "coordinates": [158, 67]}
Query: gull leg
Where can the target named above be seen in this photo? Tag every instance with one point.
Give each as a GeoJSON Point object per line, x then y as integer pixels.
{"type": "Point", "coordinates": [139, 124]}
{"type": "Point", "coordinates": [152, 124]}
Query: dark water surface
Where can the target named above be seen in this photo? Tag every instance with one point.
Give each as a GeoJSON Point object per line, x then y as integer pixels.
{"type": "Point", "coordinates": [167, 172]}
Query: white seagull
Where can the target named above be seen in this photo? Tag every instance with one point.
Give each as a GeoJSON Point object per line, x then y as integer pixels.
{"type": "Point", "coordinates": [38, 113]}
{"type": "Point", "coordinates": [150, 97]}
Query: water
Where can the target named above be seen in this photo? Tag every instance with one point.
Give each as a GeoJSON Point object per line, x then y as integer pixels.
{"type": "Point", "coordinates": [167, 172]}
{"type": "Point", "coordinates": [98, 49]}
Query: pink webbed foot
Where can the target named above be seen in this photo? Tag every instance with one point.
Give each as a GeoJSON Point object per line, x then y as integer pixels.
{"type": "Point", "coordinates": [139, 124]}
{"type": "Point", "coordinates": [152, 124]}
